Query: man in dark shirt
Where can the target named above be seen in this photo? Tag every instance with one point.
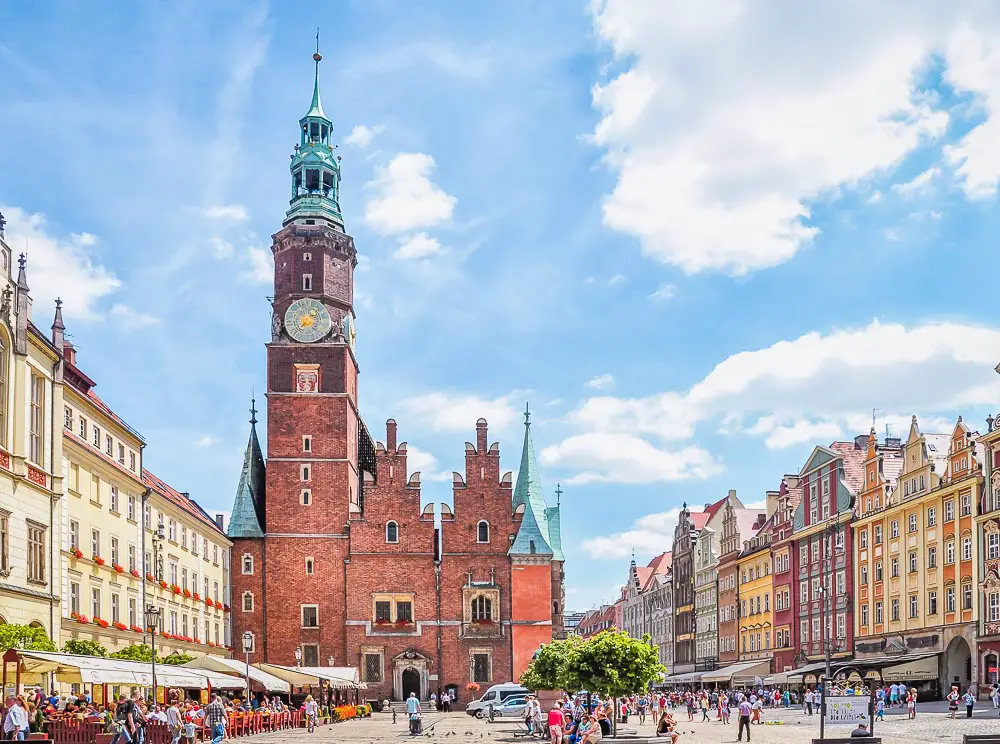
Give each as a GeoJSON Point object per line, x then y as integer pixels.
{"type": "Point", "coordinates": [861, 731]}
{"type": "Point", "coordinates": [125, 723]}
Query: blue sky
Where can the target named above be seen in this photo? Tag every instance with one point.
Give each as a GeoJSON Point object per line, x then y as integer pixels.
{"type": "Point", "coordinates": [700, 240]}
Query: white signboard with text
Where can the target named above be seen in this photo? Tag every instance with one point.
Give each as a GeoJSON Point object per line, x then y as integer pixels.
{"type": "Point", "coordinates": [851, 709]}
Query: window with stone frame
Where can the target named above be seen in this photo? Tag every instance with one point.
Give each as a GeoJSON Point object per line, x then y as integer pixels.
{"type": "Point", "coordinates": [310, 616]}
{"type": "Point", "coordinates": [482, 609]}
{"type": "Point", "coordinates": [310, 654]}
{"type": "Point", "coordinates": [371, 666]}
{"type": "Point", "coordinates": [481, 665]}
{"type": "Point", "coordinates": [248, 601]}
{"type": "Point", "coordinates": [4, 543]}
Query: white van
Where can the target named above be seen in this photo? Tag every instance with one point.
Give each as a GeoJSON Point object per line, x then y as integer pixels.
{"type": "Point", "coordinates": [494, 697]}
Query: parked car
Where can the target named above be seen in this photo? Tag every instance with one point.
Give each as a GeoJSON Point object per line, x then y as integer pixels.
{"type": "Point", "coordinates": [493, 697]}
{"type": "Point", "coordinates": [513, 707]}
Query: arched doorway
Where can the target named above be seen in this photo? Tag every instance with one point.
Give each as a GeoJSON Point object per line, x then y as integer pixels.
{"type": "Point", "coordinates": [957, 665]}
{"type": "Point", "coordinates": [411, 682]}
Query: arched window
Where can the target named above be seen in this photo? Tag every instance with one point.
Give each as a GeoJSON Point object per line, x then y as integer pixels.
{"type": "Point", "coordinates": [482, 609]}
{"type": "Point", "coordinates": [3, 393]}
{"type": "Point", "coordinates": [247, 563]}
{"type": "Point", "coordinates": [483, 531]}
{"type": "Point", "coordinates": [555, 608]}
{"type": "Point", "coordinates": [248, 601]}
{"type": "Point", "coordinates": [391, 532]}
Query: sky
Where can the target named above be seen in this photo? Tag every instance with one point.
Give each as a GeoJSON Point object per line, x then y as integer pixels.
{"type": "Point", "coordinates": [699, 238]}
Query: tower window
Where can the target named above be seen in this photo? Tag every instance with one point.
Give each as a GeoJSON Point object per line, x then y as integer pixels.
{"type": "Point", "coordinates": [391, 532]}
{"type": "Point", "coordinates": [310, 566]}
{"type": "Point", "coordinates": [247, 602]}
{"type": "Point", "coordinates": [312, 180]}
{"type": "Point", "coordinates": [306, 497]}
{"type": "Point", "coordinates": [483, 532]}
{"type": "Point", "coordinates": [307, 282]}
{"type": "Point", "coordinates": [307, 443]}
{"type": "Point", "coordinates": [306, 473]}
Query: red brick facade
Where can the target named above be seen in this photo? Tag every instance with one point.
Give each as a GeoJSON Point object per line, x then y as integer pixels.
{"type": "Point", "coordinates": [346, 562]}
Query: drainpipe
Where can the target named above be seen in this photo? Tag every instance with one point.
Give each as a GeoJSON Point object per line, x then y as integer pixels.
{"type": "Point", "coordinates": [145, 569]}
{"type": "Point", "coordinates": [52, 507]}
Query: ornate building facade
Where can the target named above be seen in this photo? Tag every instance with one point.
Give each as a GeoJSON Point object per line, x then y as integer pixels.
{"type": "Point", "coordinates": [988, 568]}
{"type": "Point", "coordinates": [346, 567]}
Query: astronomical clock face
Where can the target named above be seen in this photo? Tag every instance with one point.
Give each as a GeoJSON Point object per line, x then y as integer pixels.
{"type": "Point", "coordinates": [307, 320]}
{"type": "Point", "coordinates": [348, 329]}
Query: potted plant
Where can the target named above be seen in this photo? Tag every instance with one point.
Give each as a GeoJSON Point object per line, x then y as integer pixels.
{"type": "Point", "coordinates": [98, 560]}
{"type": "Point", "coordinates": [77, 553]}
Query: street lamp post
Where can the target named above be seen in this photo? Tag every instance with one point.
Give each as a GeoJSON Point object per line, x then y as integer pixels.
{"type": "Point", "coordinates": [247, 648]}
{"type": "Point", "coordinates": [152, 622]}
{"type": "Point", "coordinates": [298, 656]}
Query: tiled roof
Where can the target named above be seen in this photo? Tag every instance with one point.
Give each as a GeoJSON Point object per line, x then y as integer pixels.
{"type": "Point", "coordinates": [179, 499]}
{"type": "Point", "coordinates": [249, 511]}
{"type": "Point", "coordinates": [746, 519]}
{"type": "Point", "coordinates": [533, 534]}
{"type": "Point", "coordinates": [661, 564]}
{"type": "Point", "coordinates": [106, 410]}
{"type": "Point", "coordinates": [712, 509]}
{"type": "Point", "coordinates": [699, 520]}
{"type": "Point", "coordinates": [854, 464]}
{"type": "Point", "coordinates": [642, 575]}
{"type": "Point", "coordinates": [892, 465]}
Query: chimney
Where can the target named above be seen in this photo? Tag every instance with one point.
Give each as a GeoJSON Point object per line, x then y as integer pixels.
{"type": "Point", "coordinates": [861, 442]}
{"type": "Point", "coordinates": [187, 495]}
{"type": "Point", "coordinates": [390, 436]}
{"type": "Point", "coordinates": [481, 431]}
{"type": "Point", "coordinates": [69, 352]}
{"type": "Point", "coordinates": [219, 520]}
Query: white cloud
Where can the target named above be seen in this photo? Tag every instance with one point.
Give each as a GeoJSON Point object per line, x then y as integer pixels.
{"type": "Point", "coordinates": [58, 267]}
{"type": "Point", "coordinates": [459, 411]}
{"type": "Point", "coordinates": [818, 387]}
{"type": "Point", "coordinates": [650, 535]}
{"type": "Point", "coordinates": [601, 382]}
{"type": "Point", "coordinates": [418, 460]}
{"type": "Point", "coordinates": [260, 266]}
{"type": "Point", "coordinates": [221, 248]}
{"type": "Point", "coordinates": [892, 235]}
{"type": "Point", "coordinates": [206, 440]}
{"type": "Point", "coordinates": [126, 318]}
{"type": "Point", "coordinates": [418, 246]}
{"type": "Point", "coordinates": [617, 279]}
{"type": "Point", "coordinates": [875, 198]}
{"type": "Point", "coordinates": [601, 457]}
{"type": "Point", "coordinates": [362, 136]}
{"type": "Point", "coordinates": [921, 185]}
{"type": "Point", "coordinates": [665, 292]}
{"type": "Point", "coordinates": [405, 198]}
{"type": "Point", "coordinates": [722, 132]}
{"type": "Point", "coordinates": [226, 212]}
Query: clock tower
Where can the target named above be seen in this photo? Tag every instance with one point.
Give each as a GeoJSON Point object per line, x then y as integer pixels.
{"type": "Point", "coordinates": [312, 482]}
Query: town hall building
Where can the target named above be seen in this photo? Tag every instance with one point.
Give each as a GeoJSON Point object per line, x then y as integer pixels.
{"type": "Point", "coordinates": [336, 560]}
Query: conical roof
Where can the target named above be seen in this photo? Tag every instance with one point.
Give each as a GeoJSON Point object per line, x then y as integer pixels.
{"type": "Point", "coordinates": [534, 529]}
{"type": "Point", "coordinates": [247, 519]}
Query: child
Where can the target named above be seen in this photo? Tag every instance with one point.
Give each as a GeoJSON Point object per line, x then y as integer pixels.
{"type": "Point", "coordinates": [189, 731]}
{"type": "Point", "coordinates": [880, 709]}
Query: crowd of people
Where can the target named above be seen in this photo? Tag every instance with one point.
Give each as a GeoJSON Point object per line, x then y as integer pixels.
{"type": "Point", "coordinates": [128, 718]}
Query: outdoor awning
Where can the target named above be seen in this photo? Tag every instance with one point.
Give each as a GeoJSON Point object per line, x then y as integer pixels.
{"type": "Point", "coordinates": [818, 668]}
{"type": "Point", "coordinates": [781, 678]}
{"type": "Point", "coordinates": [71, 668]}
{"type": "Point", "coordinates": [339, 678]}
{"type": "Point", "coordinates": [683, 679]}
{"type": "Point", "coordinates": [745, 670]}
{"type": "Point", "coordinates": [232, 666]}
{"type": "Point", "coordinates": [897, 668]}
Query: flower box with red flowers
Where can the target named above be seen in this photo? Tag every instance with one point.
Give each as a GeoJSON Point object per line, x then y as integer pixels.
{"type": "Point", "coordinates": [218, 605]}
{"type": "Point", "coordinates": [102, 623]}
{"type": "Point", "coordinates": [208, 601]}
{"type": "Point", "coordinates": [98, 560]}
{"type": "Point", "coordinates": [197, 596]}
{"type": "Point", "coordinates": [225, 608]}
{"type": "Point", "coordinates": [77, 553]}
{"type": "Point", "coordinates": [187, 593]}
{"type": "Point", "coordinates": [166, 634]}
{"type": "Point", "coordinates": [150, 577]}
{"type": "Point", "coordinates": [382, 622]}
{"type": "Point", "coordinates": [117, 568]}
{"type": "Point", "coordinates": [135, 629]}
{"type": "Point", "coordinates": [120, 626]}
{"type": "Point", "coordinates": [82, 619]}
{"type": "Point", "coordinates": [404, 623]}
{"type": "Point", "coordinates": [175, 589]}
{"type": "Point", "coordinates": [135, 572]}
{"type": "Point", "coordinates": [164, 585]}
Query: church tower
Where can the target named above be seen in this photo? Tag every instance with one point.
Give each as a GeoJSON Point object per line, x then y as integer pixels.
{"type": "Point", "coordinates": [311, 484]}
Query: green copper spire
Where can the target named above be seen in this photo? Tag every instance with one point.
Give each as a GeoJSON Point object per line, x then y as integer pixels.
{"type": "Point", "coordinates": [315, 168]}
{"type": "Point", "coordinates": [316, 109]}
{"type": "Point", "coordinates": [533, 535]}
{"type": "Point", "coordinates": [248, 509]}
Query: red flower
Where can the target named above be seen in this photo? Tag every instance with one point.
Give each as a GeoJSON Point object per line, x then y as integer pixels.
{"type": "Point", "coordinates": [175, 589]}
{"type": "Point", "coordinates": [164, 585]}
{"type": "Point", "coordinates": [120, 626]}
{"type": "Point", "coordinates": [102, 623]}
{"type": "Point", "coordinates": [197, 596]}
{"type": "Point", "coordinates": [208, 601]}
{"type": "Point", "coordinates": [165, 634]}
{"type": "Point", "coordinates": [187, 593]}
{"type": "Point", "coordinates": [135, 628]}
{"type": "Point", "coordinates": [150, 577]}
{"type": "Point", "coordinates": [135, 572]}
{"type": "Point", "coordinates": [82, 619]}
{"type": "Point", "coordinates": [225, 608]}
{"type": "Point", "coordinates": [98, 560]}
{"type": "Point", "coordinates": [117, 568]}
{"type": "Point", "coordinates": [77, 553]}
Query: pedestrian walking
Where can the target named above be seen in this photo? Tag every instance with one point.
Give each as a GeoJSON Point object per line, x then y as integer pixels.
{"type": "Point", "coordinates": [911, 703]}
{"type": "Point", "coordinates": [808, 700]}
{"type": "Point", "coordinates": [744, 720]}
{"type": "Point", "coordinates": [952, 699]}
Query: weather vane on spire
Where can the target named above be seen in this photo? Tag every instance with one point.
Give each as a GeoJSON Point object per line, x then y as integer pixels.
{"type": "Point", "coordinates": [317, 56]}
{"type": "Point", "coordinates": [253, 408]}
{"type": "Point", "coordinates": [527, 415]}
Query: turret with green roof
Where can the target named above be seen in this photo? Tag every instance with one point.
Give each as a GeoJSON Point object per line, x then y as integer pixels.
{"type": "Point", "coordinates": [539, 533]}
{"type": "Point", "coordinates": [247, 519]}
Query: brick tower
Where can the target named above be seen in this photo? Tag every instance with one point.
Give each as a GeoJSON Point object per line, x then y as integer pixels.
{"type": "Point", "coordinates": [291, 594]}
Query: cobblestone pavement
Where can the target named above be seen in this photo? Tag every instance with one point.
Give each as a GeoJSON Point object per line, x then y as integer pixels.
{"type": "Point", "coordinates": [786, 727]}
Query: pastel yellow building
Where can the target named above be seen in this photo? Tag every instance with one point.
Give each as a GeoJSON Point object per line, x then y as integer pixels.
{"type": "Point", "coordinates": [756, 586]}
{"type": "Point", "coordinates": [30, 453]}
{"type": "Point", "coordinates": [916, 554]}
{"type": "Point", "coordinates": [112, 568]}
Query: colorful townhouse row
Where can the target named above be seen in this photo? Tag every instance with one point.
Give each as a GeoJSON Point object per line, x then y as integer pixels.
{"type": "Point", "coordinates": [881, 553]}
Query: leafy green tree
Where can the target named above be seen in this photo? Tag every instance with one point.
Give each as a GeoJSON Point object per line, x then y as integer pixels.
{"type": "Point", "coordinates": [83, 647]}
{"type": "Point", "coordinates": [177, 658]}
{"type": "Point", "coordinates": [613, 663]}
{"type": "Point", "coordinates": [28, 637]}
{"type": "Point", "coordinates": [552, 667]}
{"type": "Point", "coordinates": [135, 652]}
